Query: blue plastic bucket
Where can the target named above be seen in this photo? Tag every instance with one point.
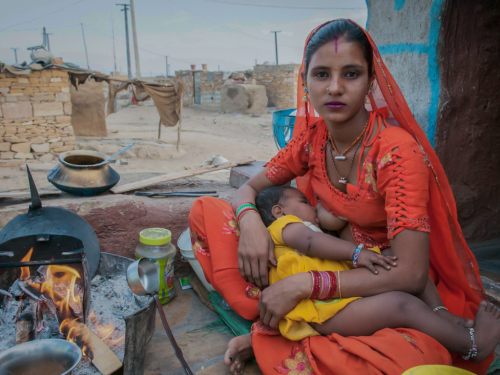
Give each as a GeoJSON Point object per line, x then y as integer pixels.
{"type": "Point", "coordinates": [283, 124]}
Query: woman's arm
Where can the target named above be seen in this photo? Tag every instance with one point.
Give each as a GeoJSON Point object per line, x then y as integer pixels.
{"type": "Point", "coordinates": [255, 247]}
{"type": "Point", "coordinates": [410, 276]}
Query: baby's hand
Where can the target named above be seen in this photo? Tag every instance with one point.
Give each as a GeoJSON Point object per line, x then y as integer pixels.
{"type": "Point", "coordinates": [367, 258]}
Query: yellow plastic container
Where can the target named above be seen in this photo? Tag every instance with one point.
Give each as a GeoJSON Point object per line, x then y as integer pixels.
{"type": "Point", "coordinates": [436, 370]}
{"type": "Point", "coordinates": [155, 244]}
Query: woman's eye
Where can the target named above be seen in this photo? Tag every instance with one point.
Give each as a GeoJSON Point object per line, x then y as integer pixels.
{"type": "Point", "coordinates": [321, 75]}
{"type": "Point", "coordinates": [351, 75]}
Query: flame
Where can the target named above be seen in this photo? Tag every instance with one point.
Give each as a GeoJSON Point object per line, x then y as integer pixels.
{"type": "Point", "coordinates": [105, 331]}
{"type": "Point", "coordinates": [25, 271]}
{"type": "Point", "coordinates": [77, 333]}
{"type": "Point", "coordinates": [59, 286]}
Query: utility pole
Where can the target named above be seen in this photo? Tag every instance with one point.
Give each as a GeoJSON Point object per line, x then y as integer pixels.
{"type": "Point", "coordinates": [15, 52]}
{"type": "Point", "coordinates": [113, 34]}
{"type": "Point", "coordinates": [46, 35]}
{"type": "Point", "coordinates": [167, 66]}
{"type": "Point", "coordinates": [276, 43]}
{"type": "Point", "coordinates": [85, 45]}
{"type": "Point", "coordinates": [124, 10]}
{"type": "Point", "coordinates": [136, 45]}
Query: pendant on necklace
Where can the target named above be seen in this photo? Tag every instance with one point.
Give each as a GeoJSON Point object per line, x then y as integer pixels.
{"type": "Point", "coordinates": [343, 180]}
{"type": "Point", "coordinates": [340, 157]}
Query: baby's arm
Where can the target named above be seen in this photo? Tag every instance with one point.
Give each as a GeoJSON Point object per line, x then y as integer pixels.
{"type": "Point", "coordinates": [327, 220]}
{"type": "Point", "coordinates": [321, 245]}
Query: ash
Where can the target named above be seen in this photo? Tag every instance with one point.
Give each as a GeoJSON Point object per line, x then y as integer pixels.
{"type": "Point", "coordinates": [111, 300]}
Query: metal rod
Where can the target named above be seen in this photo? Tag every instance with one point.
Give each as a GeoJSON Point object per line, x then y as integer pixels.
{"type": "Point", "coordinates": [124, 10]}
{"type": "Point", "coordinates": [159, 129]}
{"type": "Point", "coordinates": [276, 44]}
{"type": "Point", "coordinates": [39, 263]}
{"type": "Point", "coordinates": [85, 45]}
{"type": "Point", "coordinates": [15, 52]}
{"type": "Point", "coordinates": [113, 34]}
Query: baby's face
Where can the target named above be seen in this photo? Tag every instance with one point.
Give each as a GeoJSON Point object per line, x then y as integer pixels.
{"type": "Point", "coordinates": [297, 204]}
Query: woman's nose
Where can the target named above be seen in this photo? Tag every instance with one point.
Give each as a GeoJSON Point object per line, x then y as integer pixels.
{"type": "Point", "coordinates": [335, 87]}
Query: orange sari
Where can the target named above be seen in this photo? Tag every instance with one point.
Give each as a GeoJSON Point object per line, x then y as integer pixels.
{"type": "Point", "coordinates": [400, 157]}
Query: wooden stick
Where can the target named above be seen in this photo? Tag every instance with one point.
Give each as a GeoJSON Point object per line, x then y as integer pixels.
{"type": "Point", "coordinates": [159, 129]}
{"type": "Point", "coordinates": [20, 194]}
{"type": "Point", "coordinates": [179, 129]}
{"type": "Point", "coordinates": [104, 359]}
{"type": "Point", "coordinates": [170, 177]}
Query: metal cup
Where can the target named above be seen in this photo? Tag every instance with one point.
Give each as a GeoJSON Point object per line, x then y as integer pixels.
{"type": "Point", "coordinates": [143, 278]}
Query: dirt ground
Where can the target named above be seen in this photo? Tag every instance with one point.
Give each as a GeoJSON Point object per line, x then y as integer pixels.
{"type": "Point", "coordinates": [204, 134]}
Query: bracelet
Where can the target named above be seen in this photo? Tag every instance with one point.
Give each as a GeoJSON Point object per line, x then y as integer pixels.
{"type": "Point", "coordinates": [439, 308]}
{"type": "Point", "coordinates": [244, 211]}
{"type": "Point", "coordinates": [355, 255]}
{"type": "Point", "coordinates": [338, 280]}
{"type": "Point", "coordinates": [324, 285]}
{"type": "Point", "coordinates": [245, 205]}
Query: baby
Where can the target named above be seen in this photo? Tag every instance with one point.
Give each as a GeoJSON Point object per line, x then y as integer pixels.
{"type": "Point", "coordinates": [302, 247]}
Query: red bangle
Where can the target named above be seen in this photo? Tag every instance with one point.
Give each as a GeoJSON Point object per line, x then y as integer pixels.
{"type": "Point", "coordinates": [333, 284]}
{"type": "Point", "coordinates": [316, 289]}
{"type": "Point", "coordinates": [244, 211]}
{"type": "Point", "coordinates": [325, 283]}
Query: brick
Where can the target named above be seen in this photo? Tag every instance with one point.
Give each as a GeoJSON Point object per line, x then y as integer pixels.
{"type": "Point", "coordinates": [42, 147]}
{"type": "Point", "coordinates": [46, 73]}
{"type": "Point", "coordinates": [68, 109]}
{"type": "Point", "coordinates": [57, 79]}
{"type": "Point", "coordinates": [5, 146]}
{"type": "Point", "coordinates": [43, 97]}
{"type": "Point", "coordinates": [64, 89]}
{"type": "Point", "coordinates": [59, 73]}
{"type": "Point", "coordinates": [4, 90]}
{"type": "Point", "coordinates": [56, 145]}
{"type": "Point", "coordinates": [21, 147]}
{"type": "Point", "coordinates": [62, 97]}
{"type": "Point", "coordinates": [24, 155]}
{"type": "Point", "coordinates": [64, 148]}
{"type": "Point", "coordinates": [7, 155]}
{"type": "Point", "coordinates": [53, 140]}
{"type": "Point", "coordinates": [38, 139]}
{"type": "Point", "coordinates": [5, 84]}
{"type": "Point", "coordinates": [34, 80]}
{"type": "Point", "coordinates": [47, 109]}
{"type": "Point", "coordinates": [17, 110]}
{"type": "Point", "coordinates": [63, 119]}
{"type": "Point", "coordinates": [23, 80]}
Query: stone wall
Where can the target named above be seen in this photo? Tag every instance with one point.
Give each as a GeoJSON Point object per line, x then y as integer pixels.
{"type": "Point", "coordinates": [210, 85]}
{"type": "Point", "coordinates": [280, 82]}
{"type": "Point", "coordinates": [35, 115]}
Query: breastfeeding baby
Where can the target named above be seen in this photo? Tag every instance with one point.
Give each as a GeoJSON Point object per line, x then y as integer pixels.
{"type": "Point", "coordinates": [300, 246]}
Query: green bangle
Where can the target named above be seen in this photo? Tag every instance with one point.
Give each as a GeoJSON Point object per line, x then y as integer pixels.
{"type": "Point", "coordinates": [244, 205]}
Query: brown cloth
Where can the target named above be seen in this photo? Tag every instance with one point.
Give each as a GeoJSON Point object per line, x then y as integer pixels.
{"type": "Point", "coordinates": [167, 99]}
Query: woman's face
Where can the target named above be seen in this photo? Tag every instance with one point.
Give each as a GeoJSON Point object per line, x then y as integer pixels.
{"type": "Point", "coordinates": [338, 80]}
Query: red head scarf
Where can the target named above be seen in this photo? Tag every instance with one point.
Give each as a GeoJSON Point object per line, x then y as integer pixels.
{"type": "Point", "coordinates": [452, 265]}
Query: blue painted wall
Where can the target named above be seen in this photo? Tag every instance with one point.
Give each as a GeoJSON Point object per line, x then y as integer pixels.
{"type": "Point", "coordinates": [413, 39]}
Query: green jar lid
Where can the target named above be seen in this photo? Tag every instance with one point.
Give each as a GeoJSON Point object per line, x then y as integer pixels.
{"type": "Point", "coordinates": [155, 236]}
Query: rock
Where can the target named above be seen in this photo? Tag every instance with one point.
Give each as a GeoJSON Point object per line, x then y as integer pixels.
{"type": "Point", "coordinates": [42, 147]}
{"type": "Point", "coordinates": [23, 155]}
{"type": "Point", "coordinates": [244, 98]}
{"type": "Point", "coordinates": [48, 109]}
{"type": "Point", "coordinates": [5, 146]}
{"type": "Point", "coordinates": [6, 155]}
{"type": "Point", "coordinates": [58, 139]}
{"type": "Point", "coordinates": [17, 110]}
{"type": "Point", "coordinates": [38, 139]}
{"type": "Point", "coordinates": [62, 96]}
{"type": "Point", "coordinates": [64, 148]}
{"type": "Point", "coordinates": [21, 147]}
{"type": "Point", "coordinates": [47, 158]}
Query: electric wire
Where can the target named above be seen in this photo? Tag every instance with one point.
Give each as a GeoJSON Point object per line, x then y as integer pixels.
{"type": "Point", "coordinates": [282, 6]}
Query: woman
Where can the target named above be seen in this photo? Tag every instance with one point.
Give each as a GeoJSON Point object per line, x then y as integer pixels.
{"type": "Point", "coordinates": [397, 196]}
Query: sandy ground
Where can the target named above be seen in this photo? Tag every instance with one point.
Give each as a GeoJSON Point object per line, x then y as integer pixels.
{"type": "Point", "coordinates": [204, 134]}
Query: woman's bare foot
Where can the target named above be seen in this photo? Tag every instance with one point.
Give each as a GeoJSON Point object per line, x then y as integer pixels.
{"type": "Point", "coordinates": [239, 351]}
{"type": "Point", "coordinates": [487, 330]}
{"type": "Point", "coordinates": [455, 319]}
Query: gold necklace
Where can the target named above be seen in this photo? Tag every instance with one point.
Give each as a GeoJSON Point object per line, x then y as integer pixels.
{"type": "Point", "coordinates": [342, 156]}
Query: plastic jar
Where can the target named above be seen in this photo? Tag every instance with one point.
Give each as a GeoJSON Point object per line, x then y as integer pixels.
{"type": "Point", "coordinates": [155, 245]}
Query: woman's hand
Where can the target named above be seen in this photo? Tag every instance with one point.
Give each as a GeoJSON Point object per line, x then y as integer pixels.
{"type": "Point", "coordinates": [282, 297]}
{"type": "Point", "coordinates": [368, 258]}
{"type": "Point", "coordinates": [255, 250]}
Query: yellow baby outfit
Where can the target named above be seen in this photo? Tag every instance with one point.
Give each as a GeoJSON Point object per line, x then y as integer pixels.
{"type": "Point", "coordinates": [294, 326]}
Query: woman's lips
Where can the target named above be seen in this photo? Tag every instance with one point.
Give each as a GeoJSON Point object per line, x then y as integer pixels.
{"type": "Point", "coordinates": [335, 105]}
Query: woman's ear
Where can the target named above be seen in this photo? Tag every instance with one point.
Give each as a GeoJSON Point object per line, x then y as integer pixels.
{"type": "Point", "coordinates": [277, 211]}
{"type": "Point", "coordinates": [303, 74]}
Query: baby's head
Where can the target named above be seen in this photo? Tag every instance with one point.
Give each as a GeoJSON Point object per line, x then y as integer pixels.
{"type": "Point", "coordinates": [278, 201]}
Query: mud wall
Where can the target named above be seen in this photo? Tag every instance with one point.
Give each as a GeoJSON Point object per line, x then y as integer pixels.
{"type": "Point", "coordinates": [468, 126]}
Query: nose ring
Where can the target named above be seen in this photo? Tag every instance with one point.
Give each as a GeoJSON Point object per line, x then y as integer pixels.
{"type": "Point", "coordinates": [328, 89]}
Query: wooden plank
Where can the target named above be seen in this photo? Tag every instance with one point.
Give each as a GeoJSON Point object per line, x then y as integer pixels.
{"type": "Point", "coordinates": [21, 194]}
{"type": "Point", "coordinates": [170, 177]}
{"type": "Point", "coordinates": [104, 359]}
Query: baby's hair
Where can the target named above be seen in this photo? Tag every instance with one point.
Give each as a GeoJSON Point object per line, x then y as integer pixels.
{"type": "Point", "coordinates": [267, 199]}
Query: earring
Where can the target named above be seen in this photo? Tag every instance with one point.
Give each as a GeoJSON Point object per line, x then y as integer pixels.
{"type": "Point", "coordinates": [370, 88]}
{"type": "Point", "coordinates": [305, 99]}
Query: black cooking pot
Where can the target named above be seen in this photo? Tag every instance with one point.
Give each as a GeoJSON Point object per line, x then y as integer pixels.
{"type": "Point", "coordinates": [53, 221]}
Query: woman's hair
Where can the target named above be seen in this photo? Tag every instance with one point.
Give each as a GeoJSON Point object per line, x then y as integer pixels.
{"type": "Point", "coordinates": [267, 199]}
{"type": "Point", "coordinates": [336, 30]}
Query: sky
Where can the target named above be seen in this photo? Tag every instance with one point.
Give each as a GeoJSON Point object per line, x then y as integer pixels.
{"type": "Point", "coordinates": [220, 33]}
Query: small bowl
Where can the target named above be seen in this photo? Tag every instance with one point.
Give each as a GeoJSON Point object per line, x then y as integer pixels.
{"type": "Point", "coordinates": [40, 357]}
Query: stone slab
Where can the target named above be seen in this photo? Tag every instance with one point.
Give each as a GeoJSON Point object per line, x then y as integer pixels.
{"type": "Point", "coordinates": [240, 175]}
{"type": "Point", "coordinates": [48, 109]}
{"type": "Point", "coordinates": [21, 147]}
{"type": "Point", "coordinates": [17, 110]}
